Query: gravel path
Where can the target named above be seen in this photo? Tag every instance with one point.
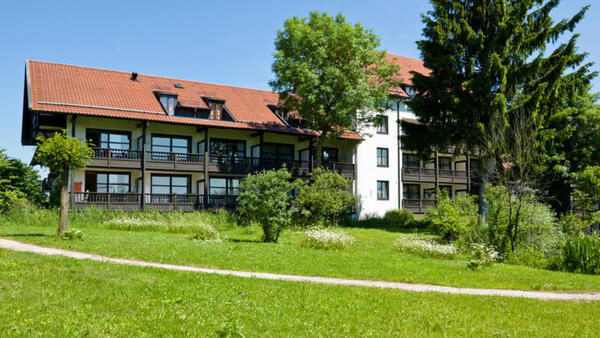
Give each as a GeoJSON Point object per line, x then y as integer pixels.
{"type": "Point", "coordinates": [542, 295]}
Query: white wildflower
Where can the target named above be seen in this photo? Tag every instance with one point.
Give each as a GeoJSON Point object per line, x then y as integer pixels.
{"type": "Point", "coordinates": [424, 247]}
{"type": "Point", "coordinates": [327, 239]}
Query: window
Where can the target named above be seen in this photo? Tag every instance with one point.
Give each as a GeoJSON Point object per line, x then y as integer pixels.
{"type": "Point", "coordinates": [170, 144]}
{"type": "Point", "coordinates": [445, 163]}
{"type": "Point", "coordinates": [278, 151]}
{"type": "Point", "coordinates": [409, 90]}
{"type": "Point", "coordinates": [107, 182]}
{"type": "Point", "coordinates": [170, 184]}
{"type": "Point", "coordinates": [329, 155]}
{"type": "Point", "coordinates": [224, 186]}
{"type": "Point", "coordinates": [429, 194]}
{"type": "Point", "coordinates": [411, 192]}
{"type": "Point", "coordinates": [410, 161]}
{"type": "Point", "coordinates": [382, 124]}
{"type": "Point", "coordinates": [168, 102]}
{"type": "Point", "coordinates": [382, 157]}
{"type": "Point", "coordinates": [233, 148]}
{"type": "Point", "coordinates": [404, 106]}
{"type": "Point", "coordinates": [109, 139]}
{"type": "Point", "coordinates": [383, 189]}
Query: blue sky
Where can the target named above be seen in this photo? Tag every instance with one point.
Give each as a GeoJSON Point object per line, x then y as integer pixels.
{"type": "Point", "coordinates": [227, 42]}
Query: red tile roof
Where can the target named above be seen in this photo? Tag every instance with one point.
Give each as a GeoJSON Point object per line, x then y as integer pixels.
{"type": "Point", "coordinates": [407, 66]}
{"type": "Point", "coordinates": [91, 91]}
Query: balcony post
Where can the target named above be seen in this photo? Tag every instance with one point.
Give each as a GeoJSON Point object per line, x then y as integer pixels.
{"type": "Point", "coordinates": [205, 187]}
{"type": "Point", "coordinates": [437, 171]}
{"type": "Point", "coordinates": [143, 201]}
{"type": "Point", "coordinates": [468, 173]}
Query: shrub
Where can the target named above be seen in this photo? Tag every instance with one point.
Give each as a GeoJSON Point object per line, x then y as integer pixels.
{"type": "Point", "coordinates": [327, 239]}
{"type": "Point", "coordinates": [326, 197]}
{"type": "Point", "coordinates": [204, 232]}
{"type": "Point", "coordinates": [483, 256]}
{"type": "Point", "coordinates": [452, 216]}
{"type": "Point", "coordinates": [399, 218]}
{"type": "Point", "coordinates": [581, 253]}
{"type": "Point", "coordinates": [537, 228]}
{"type": "Point", "coordinates": [265, 199]}
{"type": "Point", "coordinates": [425, 247]}
{"type": "Point", "coordinates": [11, 200]}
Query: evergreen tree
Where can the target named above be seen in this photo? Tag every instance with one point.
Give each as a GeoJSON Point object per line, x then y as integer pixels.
{"type": "Point", "coordinates": [488, 60]}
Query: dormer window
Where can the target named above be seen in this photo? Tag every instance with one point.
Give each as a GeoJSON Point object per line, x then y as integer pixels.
{"type": "Point", "coordinates": [216, 109]}
{"type": "Point", "coordinates": [168, 102]}
{"type": "Point", "coordinates": [409, 90]}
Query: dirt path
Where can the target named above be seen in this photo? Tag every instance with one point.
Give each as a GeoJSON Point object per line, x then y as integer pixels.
{"type": "Point", "coordinates": [542, 295]}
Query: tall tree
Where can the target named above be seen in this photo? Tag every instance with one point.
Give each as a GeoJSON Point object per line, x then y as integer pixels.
{"type": "Point", "coordinates": [330, 73]}
{"type": "Point", "coordinates": [61, 154]}
{"type": "Point", "coordinates": [20, 178]}
{"type": "Point", "coordinates": [488, 60]}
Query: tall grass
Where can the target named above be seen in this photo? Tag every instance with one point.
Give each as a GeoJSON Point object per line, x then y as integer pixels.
{"type": "Point", "coordinates": [151, 220]}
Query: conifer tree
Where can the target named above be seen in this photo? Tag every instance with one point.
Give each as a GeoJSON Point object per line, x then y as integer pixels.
{"type": "Point", "coordinates": [488, 60]}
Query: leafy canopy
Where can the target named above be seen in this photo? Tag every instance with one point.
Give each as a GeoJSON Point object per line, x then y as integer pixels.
{"type": "Point", "coordinates": [18, 179]}
{"type": "Point", "coordinates": [61, 153]}
{"type": "Point", "coordinates": [330, 72]}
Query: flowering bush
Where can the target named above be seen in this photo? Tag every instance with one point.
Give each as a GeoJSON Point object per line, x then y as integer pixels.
{"type": "Point", "coordinates": [327, 239]}
{"type": "Point", "coordinates": [483, 256]}
{"type": "Point", "coordinates": [425, 247]}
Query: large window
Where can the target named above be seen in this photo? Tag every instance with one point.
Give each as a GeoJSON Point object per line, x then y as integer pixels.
{"type": "Point", "coordinates": [109, 139]}
{"type": "Point", "coordinates": [445, 163]}
{"type": "Point", "coordinates": [410, 161]}
{"type": "Point", "coordinates": [220, 186]}
{"type": "Point", "coordinates": [227, 148]}
{"type": "Point", "coordinates": [383, 189]}
{"type": "Point", "coordinates": [382, 157]}
{"type": "Point", "coordinates": [278, 151]}
{"type": "Point", "coordinates": [171, 144]}
{"type": "Point", "coordinates": [168, 102]}
{"type": "Point", "coordinates": [107, 182]}
{"type": "Point", "coordinates": [382, 124]}
{"type": "Point", "coordinates": [329, 155]}
{"type": "Point", "coordinates": [411, 192]}
{"type": "Point", "coordinates": [170, 184]}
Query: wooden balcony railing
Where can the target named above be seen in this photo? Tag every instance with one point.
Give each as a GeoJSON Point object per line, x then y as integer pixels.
{"type": "Point", "coordinates": [417, 206]}
{"type": "Point", "coordinates": [132, 159]}
{"type": "Point", "coordinates": [428, 175]}
{"type": "Point", "coordinates": [132, 201]}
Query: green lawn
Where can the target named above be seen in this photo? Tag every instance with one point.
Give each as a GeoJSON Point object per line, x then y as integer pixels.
{"type": "Point", "coordinates": [56, 296]}
{"type": "Point", "coordinates": [372, 257]}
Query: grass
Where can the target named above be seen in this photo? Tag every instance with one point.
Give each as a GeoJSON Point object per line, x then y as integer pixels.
{"type": "Point", "coordinates": [56, 296]}
{"type": "Point", "coordinates": [372, 256]}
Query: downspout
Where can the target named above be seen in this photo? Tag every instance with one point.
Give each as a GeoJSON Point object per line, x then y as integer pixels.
{"type": "Point", "coordinates": [398, 128]}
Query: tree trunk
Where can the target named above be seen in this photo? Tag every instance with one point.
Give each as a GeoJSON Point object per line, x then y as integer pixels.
{"type": "Point", "coordinates": [319, 152]}
{"type": "Point", "coordinates": [64, 202]}
{"type": "Point", "coordinates": [485, 173]}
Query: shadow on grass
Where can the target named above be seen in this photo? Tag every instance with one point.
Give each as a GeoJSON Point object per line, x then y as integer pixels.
{"type": "Point", "coordinates": [237, 240]}
{"type": "Point", "coordinates": [28, 235]}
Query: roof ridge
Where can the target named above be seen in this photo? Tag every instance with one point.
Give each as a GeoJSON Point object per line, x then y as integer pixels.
{"type": "Point", "coordinates": [148, 75]}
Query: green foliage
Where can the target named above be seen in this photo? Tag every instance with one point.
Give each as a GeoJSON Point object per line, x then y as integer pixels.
{"type": "Point", "coordinates": [330, 72]}
{"type": "Point", "coordinates": [399, 218]}
{"type": "Point", "coordinates": [18, 182]}
{"type": "Point", "coordinates": [325, 197]}
{"type": "Point", "coordinates": [571, 224]}
{"type": "Point", "coordinates": [72, 234]}
{"type": "Point", "coordinates": [11, 200]}
{"type": "Point", "coordinates": [483, 257]}
{"type": "Point", "coordinates": [587, 192]}
{"type": "Point", "coordinates": [62, 152]}
{"type": "Point", "coordinates": [265, 199]}
{"type": "Point", "coordinates": [575, 146]}
{"type": "Point", "coordinates": [581, 253]}
{"type": "Point", "coordinates": [452, 216]}
{"type": "Point", "coordinates": [537, 227]}
{"type": "Point", "coordinates": [206, 232]}
{"type": "Point", "coordinates": [425, 246]}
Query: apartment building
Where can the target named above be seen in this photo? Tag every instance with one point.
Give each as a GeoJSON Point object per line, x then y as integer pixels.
{"type": "Point", "coordinates": [171, 144]}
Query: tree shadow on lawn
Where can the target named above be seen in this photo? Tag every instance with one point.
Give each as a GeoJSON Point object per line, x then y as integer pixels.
{"type": "Point", "coordinates": [27, 235]}
{"type": "Point", "coordinates": [238, 240]}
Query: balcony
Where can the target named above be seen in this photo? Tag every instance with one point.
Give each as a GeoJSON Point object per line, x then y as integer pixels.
{"type": "Point", "coordinates": [418, 206]}
{"type": "Point", "coordinates": [426, 175]}
{"type": "Point", "coordinates": [189, 162]}
{"type": "Point", "coordinates": [132, 201]}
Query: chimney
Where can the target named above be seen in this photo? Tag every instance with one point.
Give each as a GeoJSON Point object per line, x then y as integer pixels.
{"type": "Point", "coordinates": [134, 76]}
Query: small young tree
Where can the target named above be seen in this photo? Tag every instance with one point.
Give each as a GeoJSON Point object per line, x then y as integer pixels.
{"type": "Point", "coordinates": [265, 199]}
{"type": "Point", "coordinates": [60, 154]}
{"type": "Point", "coordinates": [326, 197]}
{"type": "Point", "coordinates": [331, 73]}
